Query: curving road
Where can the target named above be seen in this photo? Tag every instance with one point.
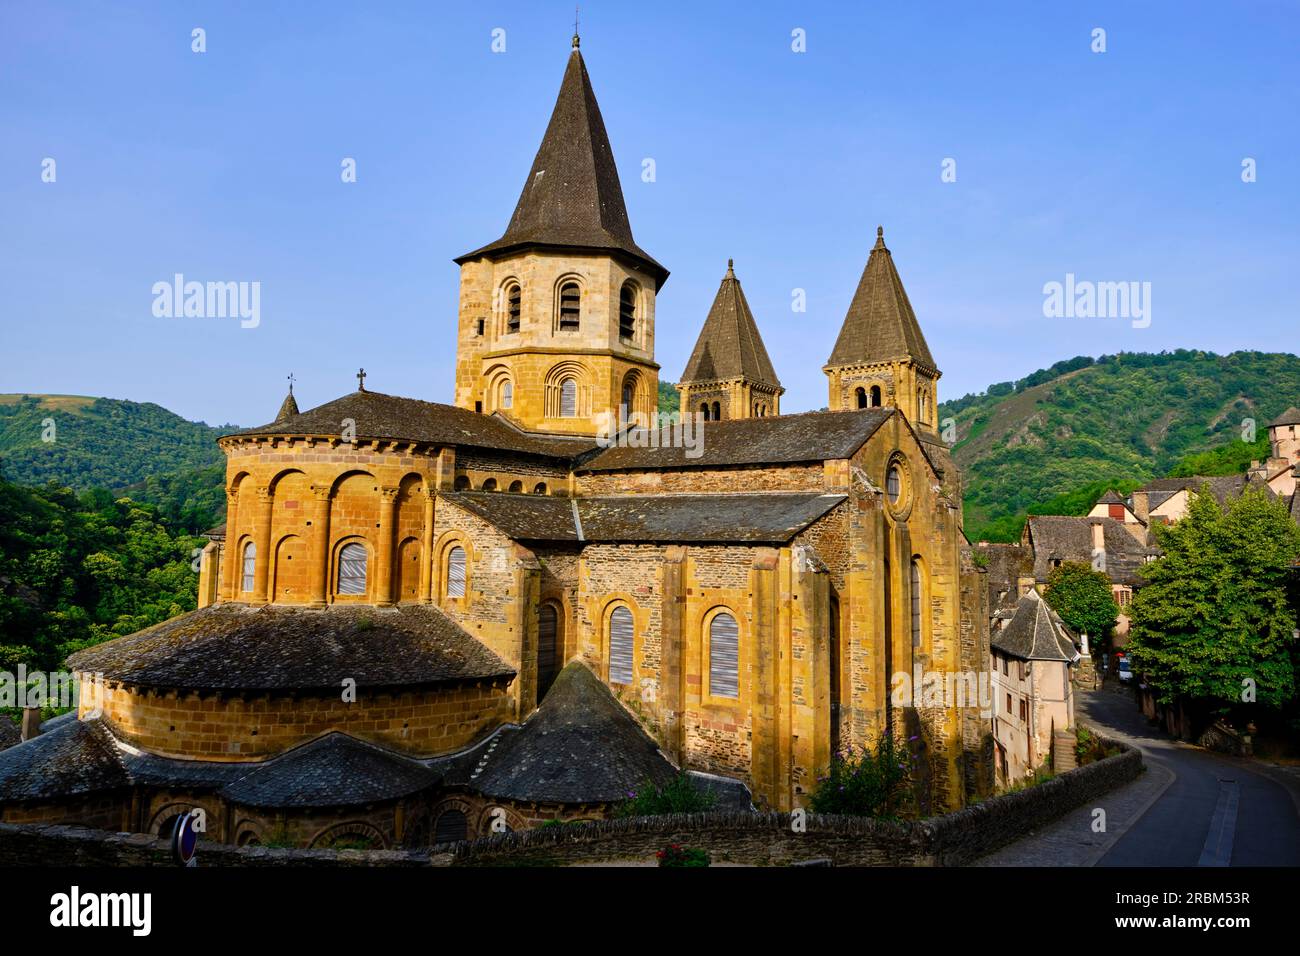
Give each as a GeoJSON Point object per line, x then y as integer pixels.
{"type": "Point", "coordinates": [1216, 811]}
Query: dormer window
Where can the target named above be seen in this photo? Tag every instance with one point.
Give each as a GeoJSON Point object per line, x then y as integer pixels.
{"type": "Point", "coordinates": [570, 306]}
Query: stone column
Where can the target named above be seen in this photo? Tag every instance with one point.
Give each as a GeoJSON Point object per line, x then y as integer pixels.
{"type": "Point", "coordinates": [317, 593]}
{"type": "Point", "coordinates": [384, 547]}
{"type": "Point", "coordinates": [230, 548]}
{"type": "Point", "coordinates": [426, 552]}
{"type": "Point", "coordinates": [262, 542]}
{"type": "Point", "coordinates": [672, 688]}
{"type": "Point", "coordinates": [766, 760]}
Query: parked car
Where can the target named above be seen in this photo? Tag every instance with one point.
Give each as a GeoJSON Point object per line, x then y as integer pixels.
{"type": "Point", "coordinates": [1125, 672]}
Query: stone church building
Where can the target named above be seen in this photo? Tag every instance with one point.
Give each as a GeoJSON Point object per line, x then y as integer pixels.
{"type": "Point", "coordinates": [424, 622]}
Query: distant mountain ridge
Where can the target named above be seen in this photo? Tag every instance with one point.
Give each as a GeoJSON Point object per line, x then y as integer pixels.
{"type": "Point", "coordinates": [1116, 419]}
{"type": "Point", "coordinates": [111, 443]}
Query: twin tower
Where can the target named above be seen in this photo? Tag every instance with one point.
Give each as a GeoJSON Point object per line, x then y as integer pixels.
{"type": "Point", "coordinates": [557, 317]}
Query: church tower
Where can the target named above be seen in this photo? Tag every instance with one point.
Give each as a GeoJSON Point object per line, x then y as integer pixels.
{"type": "Point", "coordinates": [881, 357]}
{"type": "Point", "coordinates": [556, 326]}
{"type": "Point", "coordinates": [729, 374]}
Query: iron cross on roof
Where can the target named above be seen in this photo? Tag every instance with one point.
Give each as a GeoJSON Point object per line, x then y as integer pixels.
{"type": "Point", "coordinates": [361, 380]}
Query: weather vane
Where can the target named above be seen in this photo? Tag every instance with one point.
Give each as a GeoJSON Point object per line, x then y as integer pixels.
{"type": "Point", "coordinates": [291, 381]}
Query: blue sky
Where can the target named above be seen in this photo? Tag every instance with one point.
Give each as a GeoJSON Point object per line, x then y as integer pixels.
{"type": "Point", "coordinates": [1115, 166]}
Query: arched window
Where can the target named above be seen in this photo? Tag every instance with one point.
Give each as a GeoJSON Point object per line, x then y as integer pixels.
{"type": "Point", "coordinates": [539, 488]}
{"type": "Point", "coordinates": [916, 603]}
{"type": "Point", "coordinates": [507, 394]}
{"type": "Point", "coordinates": [628, 394]}
{"type": "Point", "coordinates": [456, 572]}
{"type": "Point", "coordinates": [621, 639]}
{"type": "Point", "coordinates": [875, 396]}
{"type": "Point", "coordinates": [352, 569]}
{"type": "Point", "coordinates": [724, 656]}
{"type": "Point", "coordinates": [704, 410]}
{"type": "Point", "coordinates": [923, 400]}
{"type": "Point", "coordinates": [861, 394]}
{"type": "Point", "coordinates": [461, 483]}
{"type": "Point", "coordinates": [490, 484]}
{"type": "Point", "coordinates": [717, 412]}
{"type": "Point", "coordinates": [893, 484]}
{"type": "Point", "coordinates": [548, 653]}
{"type": "Point", "coordinates": [450, 827]}
{"type": "Point", "coordinates": [627, 313]}
{"type": "Point", "coordinates": [570, 306]}
{"type": "Point", "coordinates": [516, 487]}
{"type": "Point", "coordinates": [569, 398]}
{"type": "Point", "coordinates": [250, 567]}
{"type": "Point", "coordinates": [513, 295]}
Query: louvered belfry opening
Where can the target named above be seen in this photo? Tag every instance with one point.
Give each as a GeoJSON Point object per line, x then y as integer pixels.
{"type": "Point", "coordinates": [514, 307]}
{"type": "Point", "coordinates": [724, 656]}
{"type": "Point", "coordinates": [627, 313]}
{"type": "Point", "coordinates": [570, 307]}
{"type": "Point", "coordinates": [451, 827]}
{"type": "Point", "coordinates": [620, 646]}
{"type": "Point", "coordinates": [456, 572]}
{"type": "Point", "coordinates": [352, 569]}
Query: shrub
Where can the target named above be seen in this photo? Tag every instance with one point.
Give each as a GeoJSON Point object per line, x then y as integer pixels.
{"type": "Point", "coordinates": [869, 782]}
{"type": "Point", "coordinates": [678, 795]}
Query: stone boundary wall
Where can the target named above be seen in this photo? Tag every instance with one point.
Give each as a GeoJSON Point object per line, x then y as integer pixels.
{"type": "Point", "coordinates": [765, 839]}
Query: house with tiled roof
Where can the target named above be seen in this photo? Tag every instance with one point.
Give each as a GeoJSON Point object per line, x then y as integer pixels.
{"type": "Point", "coordinates": [1033, 697]}
{"type": "Point", "coordinates": [425, 621]}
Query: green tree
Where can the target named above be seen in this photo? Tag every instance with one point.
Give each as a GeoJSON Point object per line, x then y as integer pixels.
{"type": "Point", "coordinates": [1083, 598]}
{"type": "Point", "coordinates": [1215, 616]}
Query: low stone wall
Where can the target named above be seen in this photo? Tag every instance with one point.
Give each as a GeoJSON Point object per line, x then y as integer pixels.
{"type": "Point", "coordinates": [954, 839]}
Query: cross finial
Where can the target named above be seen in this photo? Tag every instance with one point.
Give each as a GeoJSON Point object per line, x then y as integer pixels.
{"type": "Point", "coordinates": [291, 381]}
{"type": "Point", "coordinates": [361, 380]}
{"type": "Point", "coordinates": [575, 26]}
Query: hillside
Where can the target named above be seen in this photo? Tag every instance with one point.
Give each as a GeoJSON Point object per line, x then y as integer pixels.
{"type": "Point", "coordinates": [1117, 419]}
{"type": "Point", "coordinates": [99, 442]}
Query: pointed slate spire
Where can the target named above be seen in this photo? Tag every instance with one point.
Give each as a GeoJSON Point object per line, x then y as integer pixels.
{"type": "Point", "coordinates": [880, 325]}
{"type": "Point", "coordinates": [289, 407]}
{"type": "Point", "coordinates": [729, 346]}
{"type": "Point", "coordinates": [572, 197]}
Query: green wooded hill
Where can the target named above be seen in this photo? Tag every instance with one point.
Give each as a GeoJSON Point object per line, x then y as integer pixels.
{"type": "Point", "coordinates": [99, 442]}
{"type": "Point", "coordinates": [1052, 439]}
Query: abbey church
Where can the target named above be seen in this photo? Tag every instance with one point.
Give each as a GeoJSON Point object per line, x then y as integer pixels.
{"type": "Point", "coordinates": [422, 622]}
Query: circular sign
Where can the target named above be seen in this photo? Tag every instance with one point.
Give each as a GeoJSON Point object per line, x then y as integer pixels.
{"type": "Point", "coordinates": [185, 839]}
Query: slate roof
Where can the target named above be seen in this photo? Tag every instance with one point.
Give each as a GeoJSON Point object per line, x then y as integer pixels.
{"type": "Point", "coordinates": [1222, 487]}
{"type": "Point", "coordinates": [579, 746]}
{"type": "Point", "coordinates": [1006, 564]}
{"type": "Point", "coordinates": [572, 196]}
{"type": "Point", "coordinates": [233, 647]}
{"type": "Point", "coordinates": [10, 732]}
{"type": "Point", "coordinates": [75, 758]}
{"type": "Point", "coordinates": [288, 408]}
{"type": "Point", "coordinates": [729, 345]}
{"type": "Point", "coordinates": [765, 517]}
{"type": "Point", "coordinates": [377, 415]}
{"type": "Point", "coordinates": [1111, 497]}
{"type": "Point", "coordinates": [1289, 417]}
{"type": "Point", "coordinates": [880, 325]}
{"type": "Point", "coordinates": [776, 439]}
{"type": "Point", "coordinates": [1035, 633]}
{"type": "Point", "coordinates": [332, 771]}
{"type": "Point", "coordinates": [1069, 538]}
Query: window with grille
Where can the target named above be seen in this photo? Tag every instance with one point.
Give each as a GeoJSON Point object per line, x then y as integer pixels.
{"type": "Point", "coordinates": [620, 646]}
{"type": "Point", "coordinates": [724, 656]}
{"type": "Point", "coordinates": [514, 307]}
{"type": "Point", "coordinates": [456, 572]}
{"type": "Point", "coordinates": [570, 306]}
{"type": "Point", "coordinates": [627, 312]}
{"type": "Point", "coordinates": [450, 827]}
{"type": "Point", "coordinates": [568, 398]}
{"type": "Point", "coordinates": [352, 569]}
{"type": "Point", "coordinates": [250, 566]}
{"type": "Point", "coordinates": [547, 652]}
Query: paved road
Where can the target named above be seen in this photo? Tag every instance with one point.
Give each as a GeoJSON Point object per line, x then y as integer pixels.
{"type": "Point", "coordinates": [1218, 811]}
{"type": "Point", "coordinates": [1191, 807]}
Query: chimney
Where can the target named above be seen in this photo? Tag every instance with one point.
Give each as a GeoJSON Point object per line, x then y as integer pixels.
{"type": "Point", "coordinates": [31, 722]}
{"type": "Point", "coordinates": [1141, 505]}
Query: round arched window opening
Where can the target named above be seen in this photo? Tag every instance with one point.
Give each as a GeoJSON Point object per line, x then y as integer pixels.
{"type": "Point", "coordinates": [894, 484]}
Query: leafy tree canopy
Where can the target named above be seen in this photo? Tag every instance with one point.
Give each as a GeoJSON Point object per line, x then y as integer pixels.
{"type": "Point", "coordinates": [1083, 598]}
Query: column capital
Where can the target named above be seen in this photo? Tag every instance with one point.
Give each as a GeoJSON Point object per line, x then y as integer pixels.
{"type": "Point", "coordinates": [390, 494]}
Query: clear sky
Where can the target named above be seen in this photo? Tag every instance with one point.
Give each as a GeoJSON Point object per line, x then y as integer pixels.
{"type": "Point", "coordinates": [225, 166]}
